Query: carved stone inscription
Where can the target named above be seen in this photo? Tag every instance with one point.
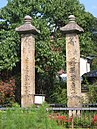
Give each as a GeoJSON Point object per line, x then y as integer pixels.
{"type": "Point", "coordinates": [73, 75]}
{"type": "Point", "coordinates": [27, 69]}
{"type": "Point", "coordinates": [73, 70]}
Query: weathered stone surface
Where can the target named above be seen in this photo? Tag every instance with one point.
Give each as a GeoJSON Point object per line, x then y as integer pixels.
{"type": "Point", "coordinates": [27, 32]}
{"type": "Point", "coordinates": [73, 62]}
{"type": "Point", "coordinates": [73, 70]}
{"type": "Point", "coordinates": [72, 26]}
{"type": "Point", "coordinates": [27, 70]}
{"type": "Point", "coordinates": [27, 27]}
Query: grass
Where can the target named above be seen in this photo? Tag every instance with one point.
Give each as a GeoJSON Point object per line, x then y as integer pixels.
{"type": "Point", "coordinates": [32, 118]}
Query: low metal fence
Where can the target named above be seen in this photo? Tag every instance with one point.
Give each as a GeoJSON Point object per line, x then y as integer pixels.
{"type": "Point", "coordinates": [74, 117]}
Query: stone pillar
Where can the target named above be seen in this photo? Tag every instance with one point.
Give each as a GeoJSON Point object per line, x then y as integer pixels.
{"type": "Point", "coordinates": [73, 62]}
{"type": "Point", "coordinates": [27, 32]}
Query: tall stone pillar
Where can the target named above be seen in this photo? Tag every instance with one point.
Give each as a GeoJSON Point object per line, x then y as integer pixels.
{"type": "Point", "coordinates": [27, 32]}
{"type": "Point", "coordinates": [73, 62]}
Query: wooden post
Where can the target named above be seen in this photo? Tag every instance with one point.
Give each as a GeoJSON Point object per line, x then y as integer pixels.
{"type": "Point", "coordinates": [73, 62]}
{"type": "Point", "coordinates": [27, 32]}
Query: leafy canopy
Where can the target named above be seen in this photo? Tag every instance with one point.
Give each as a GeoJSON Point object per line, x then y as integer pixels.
{"type": "Point", "coordinates": [47, 16]}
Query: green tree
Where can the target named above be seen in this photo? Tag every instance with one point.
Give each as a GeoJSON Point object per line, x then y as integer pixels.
{"type": "Point", "coordinates": [92, 94]}
{"type": "Point", "coordinates": [47, 16]}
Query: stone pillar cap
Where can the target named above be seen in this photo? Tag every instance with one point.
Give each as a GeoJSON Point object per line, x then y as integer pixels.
{"type": "Point", "coordinates": [27, 27]}
{"type": "Point", "coordinates": [72, 26]}
{"type": "Point", "coordinates": [71, 18]}
{"type": "Point", "coordinates": [28, 19]}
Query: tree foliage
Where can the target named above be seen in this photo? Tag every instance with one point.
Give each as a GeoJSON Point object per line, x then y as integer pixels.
{"type": "Point", "coordinates": [92, 94]}
{"type": "Point", "coordinates": [47, 16]}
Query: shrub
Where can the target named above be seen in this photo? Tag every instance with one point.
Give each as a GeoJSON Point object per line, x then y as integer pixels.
{"type": "Point", "coordinates": [7, 92]}
{"type": "Point", "coordinates": [59, 94]}
{"type": "Point", "coordinates": [92, 94]}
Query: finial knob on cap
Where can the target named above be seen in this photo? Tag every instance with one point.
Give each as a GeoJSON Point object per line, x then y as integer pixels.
{"type": "Point", "coordinates": [27, 19]}
{"type": "Point", "coordinates": [71, 18]}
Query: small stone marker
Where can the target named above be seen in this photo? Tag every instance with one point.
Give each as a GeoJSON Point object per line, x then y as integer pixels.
{"type": "Point", "coordinates": [27, 32]}
{"type": "Point", "coordinates": [73, 62]}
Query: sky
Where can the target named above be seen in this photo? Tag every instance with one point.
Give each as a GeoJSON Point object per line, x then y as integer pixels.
{"type": "Point", "coordinates": [90, 5]}
{"type": "Point", "coordinates": [3, 3]}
